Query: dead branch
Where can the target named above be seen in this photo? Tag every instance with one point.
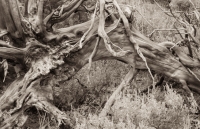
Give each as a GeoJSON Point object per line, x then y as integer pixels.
{"type": "Point", "coordinates": [131, 38]}
{"type": "Point", "coordinates": [127, 79]}
{"type": "Point", "coordinates": [134, 49]}
{"type": "Point", "coordinates": [91, 26]}
{"type": "Point", "coordinates": [11, 53]}
{"type": "Point", "coordinates": [166, 12]}
{"type": "Point", "coordinates": [102, 33]}
{"type": "Point", "coordinates": [194, 74]}
{"type": "Point", "coordinates": [150, 35]}
{"type": "Point", "coordinates": [184, 58]}
{"type": "Point", "coordinates": [4, 44]}
{"type": "Point", "coordinates": [65, 15]}
{"type": "Point", "coordinates": [178, 32]}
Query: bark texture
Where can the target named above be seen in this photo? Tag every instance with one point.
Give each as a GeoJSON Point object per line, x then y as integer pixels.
{"type": "Point", "coordinates": [43, 49]}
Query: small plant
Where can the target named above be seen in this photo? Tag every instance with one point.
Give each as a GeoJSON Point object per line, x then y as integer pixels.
{"type": "Point", "coordinates": [137, 111]}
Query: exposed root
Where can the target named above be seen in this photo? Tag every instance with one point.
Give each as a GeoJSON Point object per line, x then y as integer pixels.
{"type": "Point", "coordinates": [47, 18]}
{"type": "Point", "coordinates": [34, 95]}
{"type": "Point", "coordinates": [27, 92]}
{"type": "Point", "coordinates": [131, 38]}
{"type": "Point", "coordinates": [91, 57]}
{"type": "Point", "coordinates": [93, 53]}
{"type": "Point", "coordinates": [103, 34]}
{"type": "Point", "coordinates": [30, 91]}
{"type": "Point", "coordinates": [125, 21]}
{"type": "Point", "coordinates": [91, 26]}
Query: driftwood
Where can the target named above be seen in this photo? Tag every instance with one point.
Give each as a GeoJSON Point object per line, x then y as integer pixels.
{"type": "Point", "coordinates": [41, 49]}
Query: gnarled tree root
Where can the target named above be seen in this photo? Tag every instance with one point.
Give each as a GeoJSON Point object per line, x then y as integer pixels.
{"type": "Point", "coordinates": [34, 95]}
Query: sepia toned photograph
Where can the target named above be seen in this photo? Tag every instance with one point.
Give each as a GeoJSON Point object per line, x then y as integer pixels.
{"type": "Point", "coordinates": [99, 64]}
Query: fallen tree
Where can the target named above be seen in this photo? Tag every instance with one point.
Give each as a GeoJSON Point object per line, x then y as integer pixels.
{"type": "Point", "coordinates": [49, 56]}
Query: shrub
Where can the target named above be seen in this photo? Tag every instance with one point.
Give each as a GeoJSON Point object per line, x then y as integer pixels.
{"type": "Point", "coordinates": [165, 110]}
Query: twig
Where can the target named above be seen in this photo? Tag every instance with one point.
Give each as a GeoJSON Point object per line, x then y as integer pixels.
{"type": "Point", "coordinates": [192, 4]}
{"type": "Point", "coordinates": [193, 74]}
{"type": "Point", "coordinates": [187, 26]}
{"type": "Point", "coordinates": [174, 12]}
{"type": "Point", "coordinates": [178, 32]}
{"type": "Point", "coordinates": [174, 45]}
{"type": "Point", "coordinates": [194, 40]}
{"type": "Point", "coordinates": [144, 59]}
{"type": "Point", "coordinates": [162, 8]}
{"type": "Point", "coordinates": [145, 19]}
{"type": "Point", "coordinates": [177, 18]}
{"type": "Point", "coordinates": [139, 13]}
{"type": "Point", "coordinates": [149, 35]}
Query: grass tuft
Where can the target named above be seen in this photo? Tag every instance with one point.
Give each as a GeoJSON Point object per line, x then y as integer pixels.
{"type": "Point", "coordinates": [165, 110]}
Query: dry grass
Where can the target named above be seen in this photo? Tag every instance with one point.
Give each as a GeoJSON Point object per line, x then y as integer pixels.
{"type": "Point", "coordinates": [164, 110]}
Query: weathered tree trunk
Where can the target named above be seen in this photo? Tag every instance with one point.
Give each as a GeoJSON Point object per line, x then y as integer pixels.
{"type": "Point", "coordinates": [68, 57]}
